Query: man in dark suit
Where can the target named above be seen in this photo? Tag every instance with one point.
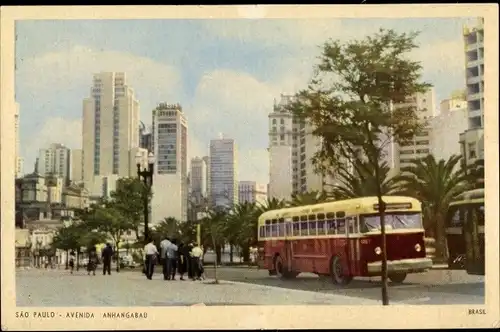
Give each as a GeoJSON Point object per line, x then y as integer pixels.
{"type": "Point", "coordinates": [107, 255]}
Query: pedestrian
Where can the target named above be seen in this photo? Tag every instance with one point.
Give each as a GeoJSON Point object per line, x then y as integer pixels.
{"type": "Point", "coordinates": [72, 257]}
{"type": "Point", "coordinates": [171, 259]}
{"type": "Point", "coordinates": [163, 256]}
{"type": "Point", "coordinates": [189, 259]}
{"type": "Point", "coordinates": [150, 252]}
{"type": "Point", "coordinates": [107, 255]}
{"type": "Point", "coordinates": [196, 255]}
{"type": "Point", "coordinates": [182, 253]}
{"type": "Point", "coordinates": [93, 259]}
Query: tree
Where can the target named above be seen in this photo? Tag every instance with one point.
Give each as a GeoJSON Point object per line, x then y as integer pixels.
{"type": "Point", "coordinates": [215, 228]}
{"type": "Point", "coordinates": [244, 227]}
{"type": "Point", "coordinates": [271, 204]}
{"type": "Point", "coordinates": [308, 198]}
{"type": "Point", "coordinates": [349, 105]}
{"type": "Point", "coordinates": [128, 199]}
{"type": "Point", "coordinates": [107, 218]}
{"type": "Point", "coordinates": [434, 183]}
{"type": "Point", "coordinates": [360, 181]}
{"type": "Point", "coordinates": [67, 238]}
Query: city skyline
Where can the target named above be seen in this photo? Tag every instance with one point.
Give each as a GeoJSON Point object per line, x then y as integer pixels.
{"type": "Point", "coordinates": [56, 61]}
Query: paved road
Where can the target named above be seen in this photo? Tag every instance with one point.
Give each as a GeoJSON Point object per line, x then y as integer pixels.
{"type": "Point", "coordinates": [241, 286]}
{"type": "Point", "coordinates": [58, 288]}
{"type": "Point", "coordinates": [432, 287]}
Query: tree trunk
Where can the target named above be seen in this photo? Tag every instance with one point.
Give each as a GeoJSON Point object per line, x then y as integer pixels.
{"type": "Point", "coordinates": [231, 253]}
{"type": "Point", "coordinates": [246, 253]}
{"type": "Point", "coordinates": [216, 261]}
{"type": "Point", "coordinates": [78, 259]}
{"type": "Point", "coordinates": [67, 259]}
{"type": "Point", "coordinates": [441, 244]}
{"type": "Point", "coordinates": [385, 286]}
{"type": "Point", "coordinates": [117, 251]}
{"type": "Point", "coordinates": [218, 254]}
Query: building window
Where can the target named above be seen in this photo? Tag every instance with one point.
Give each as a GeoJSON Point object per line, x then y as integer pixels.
{"type": "Point", "coordinates": [282, 137]}
{"type": "Point", "coordinates": [472, 151]}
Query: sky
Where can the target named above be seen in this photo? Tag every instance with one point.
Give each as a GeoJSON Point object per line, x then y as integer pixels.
{"type": "Point", "coordinates": [225, 73]}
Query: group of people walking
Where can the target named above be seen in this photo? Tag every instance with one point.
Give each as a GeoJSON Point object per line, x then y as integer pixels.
{"type": "Point", "coordinates": [93, 260]}
{"type": "Point", "coordinates": [175, 258]}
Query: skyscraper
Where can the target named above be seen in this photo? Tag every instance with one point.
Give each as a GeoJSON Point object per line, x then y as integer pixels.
{"type": "Point", "coordinates": [472, 140]}
{"type": "Point", "coordinates": [55, 160]}
{"type": "Point", "coordinates": [145, 137]}
{"type": "Point", "coordinates": [198, 180]}
{"type": "Point", "coordinates": [110, 123]}
{"type": "Point", "coordinates": [252, 192]}
{"type": "Point", "coordinates": [223, 172]}
{"type": "Point", "coordinates": [170, 185]}
{"type": "Point", "coordinates": [76, 166]}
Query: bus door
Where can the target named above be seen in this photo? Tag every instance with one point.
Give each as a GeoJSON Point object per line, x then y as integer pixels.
{"type": "Point", "coordinates": [288, 249]}
{"type": "Point", "coordinates": [474, 240]}
{"type": "Point", "coordinates": [352, 245]}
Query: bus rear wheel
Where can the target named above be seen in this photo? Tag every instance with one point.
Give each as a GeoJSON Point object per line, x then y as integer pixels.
{"type": "Point", "coordinates": [337, 272]}
{"type": "Point", "coordinates": [398, 278]}
{"type": "Point", "coordinates": [281, 270]}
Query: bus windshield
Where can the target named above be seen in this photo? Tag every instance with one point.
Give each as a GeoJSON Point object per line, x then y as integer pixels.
{"type": "Point", "coordinates": [392, 221]}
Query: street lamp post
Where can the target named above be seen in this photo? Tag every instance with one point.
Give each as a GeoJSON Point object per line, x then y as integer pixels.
{"type": "Point", "coordinates": [146, 174]}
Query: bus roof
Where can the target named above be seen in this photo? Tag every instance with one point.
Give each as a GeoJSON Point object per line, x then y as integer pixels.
{"type": "Point", "coordinates": [470, 196]}
{"type": "Point", "coordinates": [358, 205]}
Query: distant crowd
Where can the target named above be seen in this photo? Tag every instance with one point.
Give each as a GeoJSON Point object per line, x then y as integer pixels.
{"type": "Point", "coordinates": [175, 259]}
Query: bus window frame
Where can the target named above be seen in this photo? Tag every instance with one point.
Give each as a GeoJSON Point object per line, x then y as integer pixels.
{"type": "Point", "coordinates": [281, 227]}
{"type": "Point", "coordinates": [296, 228]}
{"type": "Point", "coordinates": [330, 221]}
{"type": "Point", "coordinates": [267, 228]}
{"type": "Point", "coordinates": [274, 228]}
{"type": "Point", "coordinates": [311, 220]}
{"type": "Point", "coordinates": [321, 220]}
{"type": "Point", "coordinates": [303, 220]}
{"type": "Point", "coordinates": [342, 218]}
{"type": "Point", "coordinates": [352, 221]}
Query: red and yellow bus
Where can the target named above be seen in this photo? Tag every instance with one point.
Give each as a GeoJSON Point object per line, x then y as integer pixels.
{"type": "Point", "coordinates": [342, 239]}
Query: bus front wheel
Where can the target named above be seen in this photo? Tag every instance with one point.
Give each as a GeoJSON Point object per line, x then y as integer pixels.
{"type": "Point", "coordinates": [397, 278]}
{"type": "Point", "coordinates": [281, 270]}
{"type": "Point", "coordinates": [337, 272]}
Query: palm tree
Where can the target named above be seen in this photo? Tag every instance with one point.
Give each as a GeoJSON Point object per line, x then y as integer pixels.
{"type": "Point", "coordinates": [271, 204]}
{"type": "Point", "coordinates": [434, 183]}
{"type": "Point", "coordinates": [360, 181]}
{"type": "Point", "coordinates": [215, 225]}
{"type": "Point", "coordinates": [242, 226]}
{"type": "Point", "coordinates": [168, 227]}
{"type": "Point", "coordinates": [307, 198]}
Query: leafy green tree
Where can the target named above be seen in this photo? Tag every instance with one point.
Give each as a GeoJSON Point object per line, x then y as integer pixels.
{"type": "Point", "coordinates": [129, 199]}
{"type": "Point", "coordinates": [108, 219]}
{"type": "Point", "coordinates": [308, 198]}
{"type": "Point", "coordinates": [434, 183]}
{"type": "Point", "coordinates": [67, 238]}
{"type": "Point", "coordinates": [360, 181]}
{"type": "Point", "coordinates": [349, 105]}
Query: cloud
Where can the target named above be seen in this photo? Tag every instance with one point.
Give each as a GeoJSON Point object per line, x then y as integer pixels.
{"type": "Point", "coordinates": [277, 32]}
{"type": "Point", "coordinates": [71, 69]}
{"type": "Point", "coordinates": [441, 55]}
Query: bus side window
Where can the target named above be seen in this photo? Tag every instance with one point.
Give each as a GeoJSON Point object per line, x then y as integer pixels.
{"type": "Point", "coordinates": [340, 219]}
{"type": "Point", "coordinates": [330, 223]}
{"type": "Point", "coordinates": [321, 224]}
{"type": "Point", "coordinates": [296, 226]}
{"type": "Point", "coordinates": [303, 226]}
{"type": "Point", "coordinates": [268, 228]}
{"type": "Point", "coordinates": [351, 222]}
{"type": "Point", "coordinates": [262, 231]}
{"type": "Point", "coordinates": [274, 228]}
{"type": "Point", "coordinates": [281, 227]}
{"type": "Point", "coordinates": [312, 225]}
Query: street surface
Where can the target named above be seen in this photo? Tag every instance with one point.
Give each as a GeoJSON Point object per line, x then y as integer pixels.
{"type": "Point", "coordinates": [239, 286]}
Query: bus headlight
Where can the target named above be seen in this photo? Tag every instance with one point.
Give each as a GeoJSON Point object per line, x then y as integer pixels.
{"type": "Point", "coordinates": [378, 251]}
{"type": "Point", "coordinates": [418, 248]}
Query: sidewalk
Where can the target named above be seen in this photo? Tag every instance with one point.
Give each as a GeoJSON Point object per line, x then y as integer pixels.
{"type": "Point", "coordinates": [40, 288]}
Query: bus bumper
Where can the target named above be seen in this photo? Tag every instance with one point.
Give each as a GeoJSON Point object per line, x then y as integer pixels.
{"type": "Point", "coordinates": [403, 265]}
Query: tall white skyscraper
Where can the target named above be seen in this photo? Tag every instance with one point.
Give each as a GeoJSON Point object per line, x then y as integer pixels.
{"type": "Point", "coordinates": [170, 183]}
{"type": "Point", "coordinates": [472, 140]}
{"type": "Point", "coordinates": [206, 159]}
{"type": "Point", "coordinates": [223, 172]}
{"type": "Point", "coordinates": [55, 160]}
{"type": "Point", "coordinates": [198, 179]}
{"type": "Point", "coordinates": [110, 128]}
{"type": "Point", "coordinates": [291, 147]}
{"type": "Point", "coordinates": [420, 145]}
{"type": "Point", "coordinates": [252, 192]}
{"type": "Point", "coordinates": [76, 166]}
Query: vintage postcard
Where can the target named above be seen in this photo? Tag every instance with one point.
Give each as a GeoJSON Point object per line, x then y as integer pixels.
{"type": "Point", "coordinates": [258, 167]}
